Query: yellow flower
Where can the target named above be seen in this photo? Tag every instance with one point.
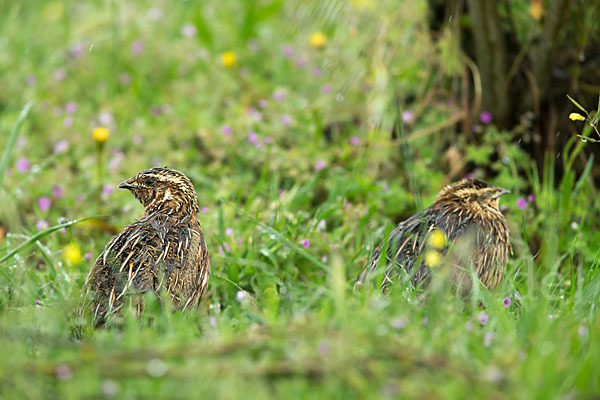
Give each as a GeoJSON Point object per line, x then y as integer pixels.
{"type": "Point", "coordinates": [536, 10]}
{"type": "Point", "coordinates": [72, 254]}
{"type": "Point", "coordinates": [228, 59]}
{"type": "Point", "coordinates": [433, 258]}
{"type": "Point", "coordinates": [362, 4]}
{"type": "Point", "coordinates": [101, 134]}
{"type": "Point", "coordinates": [576, 117]}
{"type": "Point", "coordinates": [437, 239]}
{"type": "Point", "coordinates": [317, 39]}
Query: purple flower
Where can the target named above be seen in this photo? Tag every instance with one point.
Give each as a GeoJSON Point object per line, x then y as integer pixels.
{"type": "Point", "coordinates": [44, 203]}
{"type": "Point", "coordinates": [483, 318]}
{"type": "Point", "coordinates": [204, 210]}
{"type": "Point", "coordinates": [77, 50]}
{"type": "Point", "coordinates": [320, 164]}
{"type": "Point", "coordinates": [286, 120]}
{"type": "Point", "coordinates": [60, 75]}
{"type": "Point", "coordinates": [487, 339]}
{"type": "Point", "coordinates": [506, 301]}
{"type": "Point", "coordinates": [253, 45]}
{"type": "Point", "coordinates": [21, 142]}
{"type": "Point", "coordinates": [407, 116]}
{"type": "Point", "coordinates": [212, 321]}
{"type": "Point", "coordinates": [226, 130]}
{"type": "Point", "coordinates": [253, 138]}
{"type": "Point", "coordinates": [88, 256]}
{"type": "Point", "coordinates": [39, 307]}
{"type": "Point", "coordinates": [399, 323]}
{"type": "Point", "coordinates": [126, 209]}
{"type": "Point", "coordinates": [521, 203]}
{"type": "Point", "coordinates": [137, 140]}
{"type": "Point", "coordinates": [105, 118]}
{"type": "Point", "coordinates": [316, 71]}
{"type": "Point", "coordinates": [574, 225]}
{"type": "Point", "coordinates": [68, 121]}
{"type": "Point", "coordinates": [23, 165]}
{"type": "Point", "coordinates": [154, 14]}
{"type": "Point", "coordinates": [326, 88]}
{"type": "Point", "coordinates": [267, 140]}
{"type": "Point", "coordinates": [189, 30]}
{"type": "Point", "coordinates": [306, 243]}
{"type": "Point", "coordinates": [41, 225]}
{"type": "Point", "coordinates": [550, 317]}
{"type": "Point", "coordinates": [57, 192]}
{"type": "Point", "coordinates": [137, 47]}
{"type": "Point", "coordinates": [124, 79]}
{"type": "Point", "coordinates": [278, 95]}
{"type": "Point", "coordinates": [502, 207]}
{"type": "Point", "coordinates": [582, 331]}
{"type": "Point", "coordinates": [255, 114]}
{"type": "Point", "coordinates": [241, 295]}
{"type": "Point", "coordinates": [229, 231]}
{"type": "Point", "coordinates": [531, 198]}
{"type": "Point", "coordinates": [288, 51]}
{"type": "Point", "coordinates": [485, 117]}
{"type": "Point", "coordinates": [107, 190]}
{"type": "Point", "coordinates": [517, 297]}
{"type": "Point", "coordinates": [323, 347]}
{"type": "Point", "coordinates": [263, 103]}
{"type": "Point", "coordinates": [354, 141]}
{"type": "Point", "coordinates": [301, 62]}
{"type": "Point", "coordinates": [62, 372]}
{"type": "Point", "coordinates": [321, 226]}
{"type": "Point", "coordinates": [224, 249]}
{"type": "Point", "coordinates": [385, 187]}
{"type": "Point", "coordinates": [70, 107]}
{"type": "Point", "coordinates": [38, 302]}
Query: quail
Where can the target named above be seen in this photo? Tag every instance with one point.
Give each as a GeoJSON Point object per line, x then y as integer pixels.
{"type": "Point", "coordinates": [464, 224]}
{"type": "Point", "coordinates": [163, 250]}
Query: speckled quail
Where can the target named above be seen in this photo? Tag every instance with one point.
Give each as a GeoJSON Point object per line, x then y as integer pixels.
{"type": "Point", "coordinates": [464, 225]}
{"type": "Point", "coordinates": [163, 249]}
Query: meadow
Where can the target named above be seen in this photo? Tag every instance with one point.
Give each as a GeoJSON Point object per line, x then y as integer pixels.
{"type": "Point", "coordinates": [310, 129]}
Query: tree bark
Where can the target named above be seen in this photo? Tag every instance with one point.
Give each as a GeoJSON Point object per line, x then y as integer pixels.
{"type": "Point", "coordinates": [490, 53]}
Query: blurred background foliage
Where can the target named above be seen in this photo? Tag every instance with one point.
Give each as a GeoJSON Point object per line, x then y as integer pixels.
{"type": "Point", "coordinates": [310, 128]}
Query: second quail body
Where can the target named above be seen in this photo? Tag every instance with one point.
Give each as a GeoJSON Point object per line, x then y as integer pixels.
{"type": "Point", "coordinates": [464, 213]}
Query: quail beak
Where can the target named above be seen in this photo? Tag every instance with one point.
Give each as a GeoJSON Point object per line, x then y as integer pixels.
{"type": "Point", "coordinates": [504, 191]}
{"type": "Point", "coordinates": [128, 184]}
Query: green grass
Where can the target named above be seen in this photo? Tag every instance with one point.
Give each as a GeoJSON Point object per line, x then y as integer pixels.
{"type": "Point", "coordinates": [301, 331]}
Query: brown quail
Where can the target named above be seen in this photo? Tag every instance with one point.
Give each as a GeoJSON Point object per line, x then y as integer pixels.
{"type": "Point", "coordinates": [163, 249]}
{"type": "Point", "coordinates": [464, 224]}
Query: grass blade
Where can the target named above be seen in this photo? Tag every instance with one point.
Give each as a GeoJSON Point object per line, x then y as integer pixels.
{"type": "Point", "coordinates": [578, 105]}
{"type": "Point", "coordinates": [12, 140]}
{"type": "Point", "coordinates": [40, 235]}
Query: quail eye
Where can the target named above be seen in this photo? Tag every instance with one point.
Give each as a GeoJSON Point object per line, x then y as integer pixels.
{"type": "Point", "coordinates": [149, 181]}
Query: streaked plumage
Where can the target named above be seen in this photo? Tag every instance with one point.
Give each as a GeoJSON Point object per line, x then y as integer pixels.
{"type": "Point", "coordinates": [467, 213]}
{"type": "Point", "coordinates": [163, 249]}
